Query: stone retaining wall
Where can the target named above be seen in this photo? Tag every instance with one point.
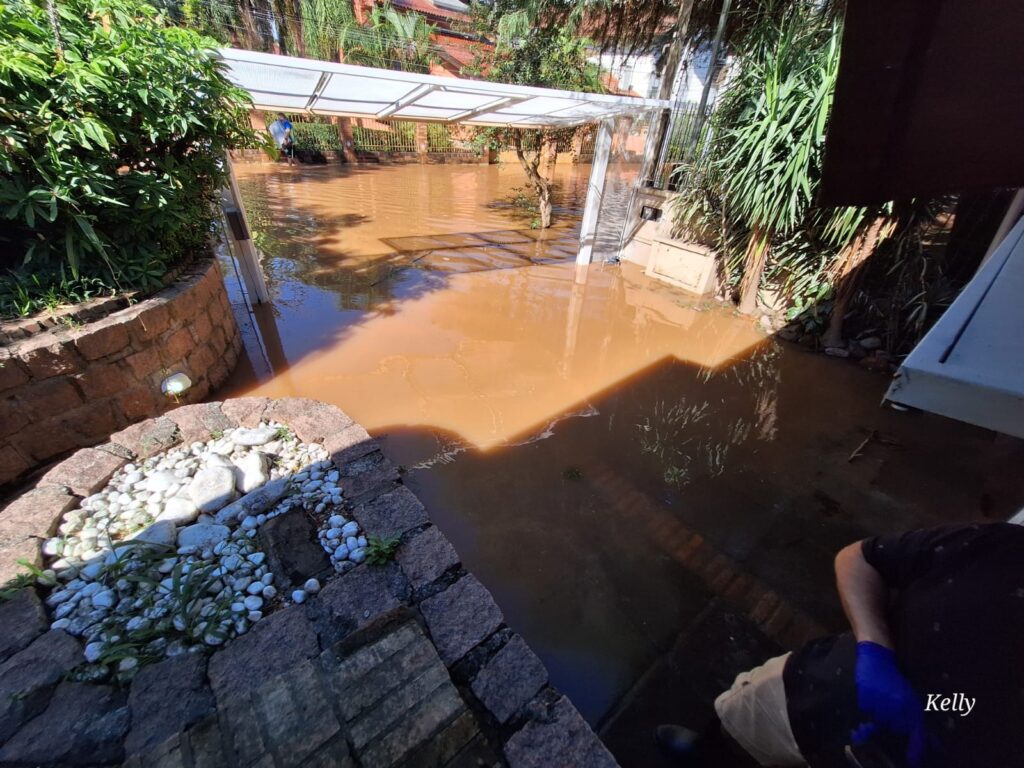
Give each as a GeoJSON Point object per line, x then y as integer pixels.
{"type": "Point", "coordinates": [409, 663]}
{"type": "Point", "coordinates": [73, 385]}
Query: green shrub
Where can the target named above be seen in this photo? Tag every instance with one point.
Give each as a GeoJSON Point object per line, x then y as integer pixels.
{"type": "Point", "coordinates": [316, 136]}
{"type": "Point", "coordinates": [113, 128]}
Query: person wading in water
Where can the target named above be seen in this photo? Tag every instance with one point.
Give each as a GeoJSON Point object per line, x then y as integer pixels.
{"type": "Point", "coordinates": [281, 130]}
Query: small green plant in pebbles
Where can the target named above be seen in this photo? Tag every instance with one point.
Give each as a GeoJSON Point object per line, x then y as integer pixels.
{"type": "Point", "coordinates": [381, 550]}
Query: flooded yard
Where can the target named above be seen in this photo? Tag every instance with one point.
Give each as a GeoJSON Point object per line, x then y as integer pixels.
{"type": "Point", "coordinates": [588, 439]}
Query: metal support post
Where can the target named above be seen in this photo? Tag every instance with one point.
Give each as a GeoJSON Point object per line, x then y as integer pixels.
{"type": "Point", "coordinates": [595, 192]}
{"type": "Point", "coordinates": [238, 231]}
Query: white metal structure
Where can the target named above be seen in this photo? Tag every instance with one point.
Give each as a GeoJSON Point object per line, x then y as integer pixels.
{"type": "Point", "coordinates": [970, 365]}
{"type": "Point", "coordinates": [290, 84]}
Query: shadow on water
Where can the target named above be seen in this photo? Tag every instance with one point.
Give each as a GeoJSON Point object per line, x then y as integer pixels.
{"type": "Point", "coordinates": [593, 443]}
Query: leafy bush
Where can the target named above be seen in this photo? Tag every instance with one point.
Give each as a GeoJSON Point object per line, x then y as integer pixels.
{"type": "Point", "coordinates": [113, 128]}
{"type": "Point", "coordinates": [316, 136]}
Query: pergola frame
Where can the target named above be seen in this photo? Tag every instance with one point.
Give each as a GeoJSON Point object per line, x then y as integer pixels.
{"type": "Point", "coordinates": [290, 84]}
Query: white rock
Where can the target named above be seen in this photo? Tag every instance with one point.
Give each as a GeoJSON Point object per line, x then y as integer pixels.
{"type": "Point", "coordinates": [93, 651]}
{"type": "Point", "coordinates": [161, 481]}
{"type": "Point", "coordinates": [269, 592]}
{"type": "Point", "coordinates": [202, 536]}
{"type": "Point", "coordinates": [253, 437]}
{"type": "Point", "coordinates": [255, 616]}
{"type": "Point", "coordinates": [128, 663]}
{"type": "Point", "coordinates": [91, 571]}
{"type": "Point", "coordinates": [334, 533]}
{"type": "Point", "coordinates": [179, 510]}
{"type": "Point", "coordinates": [352, 543]}
{"type": "Point", "coordinates": [159, 533]}
{"type": "Point", "coordinates": [250, 523]}
{"type": "Point", "coordinates": [212, 488]}
{"type": "Point", "coordinates": [216, 460]}
{"type": "Point", "coordinates": [357, 556]}
{"type": "Point", "coordinates": [256, 558]}
{"type": "Point", "coordinates": [104, 599]}
{"type": "Point", "coordinates": [341, 553]}
{"type": "Point", "coordinates": [253, 602]}
{"type": "Point", "coordinates": [60, 624]}
{"type": "Point", "coordinates": [250, 472]}
{"type": "Point", "coordinates": [350, 529]}
{"type": "Point", "coordinates": [298, 596]}
{"type": "Point", "coordinates": [255, 588]}
{"type": "Point", "coordinates": [312, 586]}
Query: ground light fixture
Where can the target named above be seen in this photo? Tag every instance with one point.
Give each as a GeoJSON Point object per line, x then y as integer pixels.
{"type": "Point", "coordinates": [176, 384]}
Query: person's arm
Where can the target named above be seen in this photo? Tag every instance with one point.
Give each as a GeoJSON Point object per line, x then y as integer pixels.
{"type": "Point", "coordinates": [864, 596]}
{"type": "Point", "coordinates": [883, 694]}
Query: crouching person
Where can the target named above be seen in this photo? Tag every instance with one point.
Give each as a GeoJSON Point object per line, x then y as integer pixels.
{"type": "Point", "coordinates": [932, 674]}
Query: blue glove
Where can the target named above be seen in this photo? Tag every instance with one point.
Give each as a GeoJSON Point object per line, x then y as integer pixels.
{"type": "Point", "coordinates": [884, 694]}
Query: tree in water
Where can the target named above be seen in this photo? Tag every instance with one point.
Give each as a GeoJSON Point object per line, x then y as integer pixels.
{"type": "Point", "coordinates": [526, 52]}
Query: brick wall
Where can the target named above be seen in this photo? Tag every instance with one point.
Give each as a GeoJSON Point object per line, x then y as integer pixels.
{"type": "Point", "coordinates": [72, 386]}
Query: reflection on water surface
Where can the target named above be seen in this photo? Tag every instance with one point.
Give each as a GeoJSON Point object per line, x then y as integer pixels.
{"type": "Point", "coordinates": [563, 425]}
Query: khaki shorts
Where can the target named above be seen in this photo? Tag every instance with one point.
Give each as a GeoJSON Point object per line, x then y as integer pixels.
{"type": "Point", "coordinates": [754, 714]}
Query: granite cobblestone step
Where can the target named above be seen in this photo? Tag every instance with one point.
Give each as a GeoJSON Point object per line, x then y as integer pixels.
{"type": "Point", "coordinates": [409, 664]}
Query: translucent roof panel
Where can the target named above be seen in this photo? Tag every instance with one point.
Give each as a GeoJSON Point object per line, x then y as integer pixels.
{"type": "Point", "coordinates": [321, 87]}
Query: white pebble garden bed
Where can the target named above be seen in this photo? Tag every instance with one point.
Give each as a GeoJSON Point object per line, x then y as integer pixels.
{"type": "Point", "coordinates": [166, 558]}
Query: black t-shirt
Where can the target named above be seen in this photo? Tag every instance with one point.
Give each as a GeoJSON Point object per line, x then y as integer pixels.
{"type": "Point", "coordinates": [957, 620]}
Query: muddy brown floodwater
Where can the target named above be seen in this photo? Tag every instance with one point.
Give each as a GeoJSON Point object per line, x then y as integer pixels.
{"type": "Point", "coordinates": [568, 427]}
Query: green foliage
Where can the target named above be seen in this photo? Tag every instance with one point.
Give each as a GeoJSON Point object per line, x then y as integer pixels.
{"type": "Point", "coordinates": [771, 121]}
{"type": "Point", "coordinates": [112, 140]}
{"type": "Point", "coordinates": [322, 25]}
{"type": "Point", "coordinates": [215, 19]}
{"type": "Point", "coordinates": [316, 136]}
{"type": "Point", "coordinates": [20, 581]}
{"type": "Point", "coordinates": [529, 52]}
{"type": "Point", "coordinates": [381, 550]}
{"type": "Point", "coordinates": [761, 169]}
{"type": "Point", "coordinates": [390, 40]}
{"type": "Point", "coordinates": [23, 293]}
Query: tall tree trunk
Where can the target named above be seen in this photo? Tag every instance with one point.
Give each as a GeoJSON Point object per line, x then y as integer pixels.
{"type": "Point", "coordinates": [753, 267]}
{"type": "Point", "coordinates": [669, 71]}
{"type": "Point", "coordinates": [540, 185]}
{"type": "Point", "coordinates": [549, 155]}
{"type": "Point", "coordinates": [855, 255]}
{"type": "Point", "coordinates": [544, 205]}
